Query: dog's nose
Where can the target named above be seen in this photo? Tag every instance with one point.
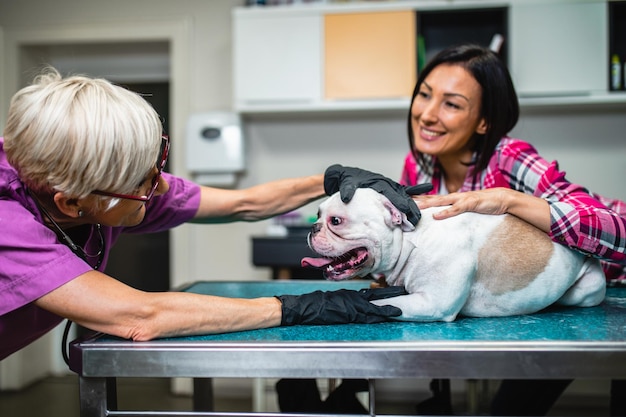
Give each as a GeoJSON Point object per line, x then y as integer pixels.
{"type": "Point", "coordinates": [316, 228]}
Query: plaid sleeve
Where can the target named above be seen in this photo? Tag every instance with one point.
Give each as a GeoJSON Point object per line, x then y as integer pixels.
{"type": "Point", "coordinates": [409, 171]}
{"type": "Point", "coordinates": [579, 219]}
{"type": "Point", "coordinates": [412, 175]}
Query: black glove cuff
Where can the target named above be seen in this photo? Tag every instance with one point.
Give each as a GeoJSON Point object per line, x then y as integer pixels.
{"type": "Point", "coordinates": [289, 311]}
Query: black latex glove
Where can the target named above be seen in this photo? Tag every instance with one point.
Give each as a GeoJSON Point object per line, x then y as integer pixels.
{"type": "Point", "coordinates": [347, 179]}
{"type": "Point", "coordinates": [339, 307]}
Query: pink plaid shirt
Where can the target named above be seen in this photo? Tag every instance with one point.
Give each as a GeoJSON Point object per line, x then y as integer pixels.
{"type": "Point", "coordinates": [584, 221]}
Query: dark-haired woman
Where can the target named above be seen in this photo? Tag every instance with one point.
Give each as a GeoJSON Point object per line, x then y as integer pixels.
{"type": "Point", "coordinates": [463, 107]}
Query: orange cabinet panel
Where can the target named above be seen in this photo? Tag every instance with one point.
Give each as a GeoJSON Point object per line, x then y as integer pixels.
{"type": "Point", "coordinates": [369, 55]}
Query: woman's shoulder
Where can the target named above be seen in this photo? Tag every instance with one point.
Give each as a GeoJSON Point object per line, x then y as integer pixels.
{"type": "Point", "coordinates": [7, 172]}
{"type": "Point", "coordinates": [514, 144]}
{"type": "Point", "coordinates": [513, 148]}
{"type": "Point", "coordinates": [513, 155]}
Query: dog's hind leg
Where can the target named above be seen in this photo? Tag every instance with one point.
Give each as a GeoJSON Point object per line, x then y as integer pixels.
{"type": "Point", "coordinates": [589, 288]}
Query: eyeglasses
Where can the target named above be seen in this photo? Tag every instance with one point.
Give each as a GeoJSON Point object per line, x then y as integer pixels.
{"type": "Point", "coordinates": [160, 164]}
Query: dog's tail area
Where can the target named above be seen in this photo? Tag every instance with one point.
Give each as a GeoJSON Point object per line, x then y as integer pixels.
{"type": "Point", "coordinates": [590, 287]}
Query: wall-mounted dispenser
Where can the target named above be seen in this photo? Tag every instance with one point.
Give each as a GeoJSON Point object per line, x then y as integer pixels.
{"type": "Point", "coordinates": [215, 148]}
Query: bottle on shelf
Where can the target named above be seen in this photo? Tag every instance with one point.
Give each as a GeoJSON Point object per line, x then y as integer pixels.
{"type": "Point", "coordinates": [616, 73]}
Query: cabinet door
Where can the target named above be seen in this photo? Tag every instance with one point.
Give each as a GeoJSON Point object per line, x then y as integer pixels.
{"type": "Point", "coordinates": [558, 47]}
{"type": "Point", "coordinates": [369, 55]}
{"type": "Point", "coordinates": [277, 58]}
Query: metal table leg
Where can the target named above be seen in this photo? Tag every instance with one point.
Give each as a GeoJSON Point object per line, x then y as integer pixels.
{"type": "Point", "coordinates": [97, 396]}
{"type": "Point", "coordinates": [203, 394]}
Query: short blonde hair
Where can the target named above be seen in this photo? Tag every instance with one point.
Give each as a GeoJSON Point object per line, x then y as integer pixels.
{"type": "Point", "coordinates": [80, 134]}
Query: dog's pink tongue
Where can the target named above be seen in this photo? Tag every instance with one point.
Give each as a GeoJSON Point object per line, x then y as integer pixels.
{"type": "Point", "coordinates": [314, 262]}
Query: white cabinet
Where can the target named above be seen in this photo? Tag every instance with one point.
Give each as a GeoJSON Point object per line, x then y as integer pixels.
{"type": "Point", "coordinates": [277, 59]}
{"type": "Point", "coordinates": [310, 59]}
{"type": "Point", "coordinates": [558, 48]}
{"type": "Point", "coordinates": [557, 53]}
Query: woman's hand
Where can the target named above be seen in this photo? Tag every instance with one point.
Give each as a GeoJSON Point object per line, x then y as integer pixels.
{"type": "Point", "coordinates": [489, 201]}
{"type": "Point", "coordinates": [529, 208]}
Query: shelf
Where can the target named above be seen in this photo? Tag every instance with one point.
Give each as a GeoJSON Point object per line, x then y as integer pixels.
{"type": "Point", "coordinates": [370, 6]}
{"type": "Point", "coordinates": [327, 106]}
{"type": "Point", "coordinates": [402, 105]}
{"type": "Point", "coordinates": [592, 99]}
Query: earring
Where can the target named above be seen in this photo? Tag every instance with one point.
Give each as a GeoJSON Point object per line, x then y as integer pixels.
{"type": "Point", "coordinates": [80, 213]}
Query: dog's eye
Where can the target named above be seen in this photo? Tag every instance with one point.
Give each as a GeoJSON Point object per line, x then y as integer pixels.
{"type": "Point", "coordinates": [335, 221]}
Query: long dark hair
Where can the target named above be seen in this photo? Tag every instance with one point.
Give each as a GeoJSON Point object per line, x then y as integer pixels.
{"type": "Point", "coordinates": [499, 104]}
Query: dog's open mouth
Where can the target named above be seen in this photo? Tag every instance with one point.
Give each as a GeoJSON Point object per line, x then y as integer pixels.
{"type": "Point", "coordinates": [341, 267]}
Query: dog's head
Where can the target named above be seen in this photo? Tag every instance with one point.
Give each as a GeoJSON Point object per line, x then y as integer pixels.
{"type": "Point", "coordinates": [357, 238]}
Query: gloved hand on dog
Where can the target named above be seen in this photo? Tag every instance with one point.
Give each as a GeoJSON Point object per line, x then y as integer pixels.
{"type": "Point", "coordinates": [346, 180]}
{"type": "Point", "coordinates": [339, 307]}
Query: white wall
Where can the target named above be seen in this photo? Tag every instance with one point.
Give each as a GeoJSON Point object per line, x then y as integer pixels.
{"type": "Point", "coordinates": [589, 144]}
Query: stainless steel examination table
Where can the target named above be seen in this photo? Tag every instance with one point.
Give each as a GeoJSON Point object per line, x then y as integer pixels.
{"type": "Point", "coordinates": [555, 343]}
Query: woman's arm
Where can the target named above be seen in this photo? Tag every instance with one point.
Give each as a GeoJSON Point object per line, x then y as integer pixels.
{"type": "Point", "coordinates": [540, 194]}
{"type": "Point", "coordinates": [258, 202]}
{"type": "Point", "coordinates": [103, 304]}
{"type": "Point", "coordinates": [533, 210]}
{"type": "Point", "coordinates": [577, 218]}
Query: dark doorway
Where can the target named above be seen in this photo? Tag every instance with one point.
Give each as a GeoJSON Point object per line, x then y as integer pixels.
{"type": "Point", "coordinates": [142, 261]}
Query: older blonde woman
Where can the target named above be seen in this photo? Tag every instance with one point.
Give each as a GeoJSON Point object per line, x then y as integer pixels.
{"type": "Point", "coordinates": [82, 162]}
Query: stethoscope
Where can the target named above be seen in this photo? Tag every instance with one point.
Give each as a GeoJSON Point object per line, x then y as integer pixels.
{"type": "Point", "coordinates": [78, 251]}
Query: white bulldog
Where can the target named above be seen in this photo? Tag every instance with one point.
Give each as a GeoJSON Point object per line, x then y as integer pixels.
{"type": "Point", "coordinates": [472, 264]}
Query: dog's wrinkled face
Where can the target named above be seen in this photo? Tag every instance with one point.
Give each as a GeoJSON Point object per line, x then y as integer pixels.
{"type": "Point", "coordinates": [358, 238]}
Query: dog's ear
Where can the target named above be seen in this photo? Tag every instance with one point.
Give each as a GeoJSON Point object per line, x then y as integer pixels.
{"type": "Point", "coordinates": [398, 218]}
